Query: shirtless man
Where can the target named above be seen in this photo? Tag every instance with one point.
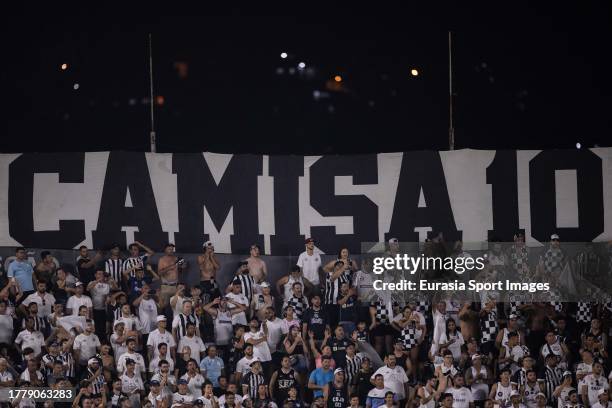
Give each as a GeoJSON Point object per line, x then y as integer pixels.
{"type": "Point", "coordinates": [168, 270]}
{"type": "Point", "coordinates": [257, 267]}
{"type": "Point", "coordinates": [208, 263]}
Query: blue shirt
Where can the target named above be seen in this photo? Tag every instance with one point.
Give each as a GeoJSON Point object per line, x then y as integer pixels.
{"type": "Point", "coordinates": [22, 271]}
{"type": "Point", "coordinates": [213, 367]}
{"type": "Point", "coordinates": [320, 377]}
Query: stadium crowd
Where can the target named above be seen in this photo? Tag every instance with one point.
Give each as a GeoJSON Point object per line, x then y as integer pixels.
{"type": "Point", "coordinates": [124, 331]}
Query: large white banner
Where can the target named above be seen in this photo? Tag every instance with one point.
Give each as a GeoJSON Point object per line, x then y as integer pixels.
{"type": "Point", "coordinates": [63, 200]}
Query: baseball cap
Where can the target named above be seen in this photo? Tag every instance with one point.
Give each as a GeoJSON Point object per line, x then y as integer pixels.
{"type": "Point", "coordinates": [92, 361]}
{"type": "Point", "coordinates": [182, 381]}
{"type": "Point", "coordinates": [264, 284]}
{"type": "Point", "coordinates": [541, 394]}
{"type": "Point", "coordinates": [255, 360]}
{"type": "Point", "coordinates": [308, 240]}
{"type": "Point", "coordinates": [513, 316]}
{"type": "Point", "coordinates": [161, 318]}
{"type": "Point", "coordinates": [566, 373]}
{"type": "Point", "coordinates": [153, 382]}
{"type": "Point", "coordinates": [78, 283]}
{"type": "Point", "coordinates": [393, 241]}
{"type": "Point", "coordinates": [115, 245]}
{"type": "Point", "coordinates": [554, 236]}
{"type": "Point", "coordinates": [208, 244]}
{"type": "Point", "coordinates": [338, 370]}
{"type": "Point", "coordinates": [476, 356]}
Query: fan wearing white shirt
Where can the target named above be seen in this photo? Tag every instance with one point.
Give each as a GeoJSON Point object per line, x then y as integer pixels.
{"type": "Point", "coordinates": [462, 396]}
{"type": "Point", "coordinates": [165, 377]}
{"type": "Point", "coordinates": [147, 310]}
{"type": "Point", "coordinates": [194, 379]}
{"type": "Point", "coordinates": [6, 324]}
{"type": "Point", "coordinates": [276, 329]}
{"type": "Point", "coordinates": [194, 342]}
{"type": "Point", "coordinates": [30, 338]}
{"type": "Point", "coordinates": [133, 327]}
{"type": "Point", "coordinates": [236, 299]}
{"type": "Point", "coordinates": [42, 298]}
{"type": "Point", "coordinates": [309, 262]}
{"type": "Point", "coordinates": [77, 300]}
{"type": "Point", "coordinates": [161, 355]}
{"type": "Point", "coordinates": [86, 344]}
{"type": "Point", "coordinates": [6, 378]}
{"type": "Point", "coordinates": [131, 354]}
{"type": "Point", "coordinates": [244, 364]}
{"type": "Point", "coordinates": [183, 396]}
{"type": "Point", "coordinates": [394, 376]}
{"type": "Point", "coordinates": [158, 336]}
{"type": "Point", "coordinates": [259, 339]}
{"type": "Point", "coordinates": [131, 383]}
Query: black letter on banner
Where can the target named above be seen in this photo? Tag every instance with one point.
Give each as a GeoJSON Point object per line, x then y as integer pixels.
{"type": "Point", "coordinates": [543, 197]}
{"type": "Point", "coordinates": [422, 170]}
{"type": "Point", "coordinates": [501, 175]}
{"type": "Point", "coordinates": [127, 170]}
{"type": "Point", "coordinates": [69, 166]}
{"type": "Point", "coordinates": [323, 199]}
{"type": "Point", "coordinates": [197, 189]}
{"type": "Point", "coordinates": [286, 171]}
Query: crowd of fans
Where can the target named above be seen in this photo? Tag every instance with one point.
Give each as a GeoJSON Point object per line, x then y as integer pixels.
{"type": "Point", "coordinates": [128, 332]}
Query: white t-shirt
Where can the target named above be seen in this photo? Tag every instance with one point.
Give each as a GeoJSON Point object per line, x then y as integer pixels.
{"type": "Point", "coordinates": [461, 397]}
{"type": "Point", "coordinates": [88, 345]}
{"type": "Point", "coordinates": [238, 318]}
{"type": "Point", "coordinates": [594, 384]}
{"type": "Point", "coordinates": [99, 292]}
{"type": "Point", "coordinates": [395, 378]}
{"type": "Point", "coordinates": [129, 384]}
{"type": "Point", "coordinates": [455, 347]}
{"type": "Point", "coordinates": [276, 329]}
{"type": "Point", "coordinates": [139, 366]}
{"type": "Point", "coordinates": [179, 399]}
{"type": "Point", "coordinates": [196, 345]}
{"type": "Point", "coordinates": [43, 310]}
{"type": "Point", "coordinates": [195, 384]}
{"type": "Point", "coordinates": [147, 314]}
{"type": "Point", "coordinates": [118, 348]}
{"type": "Point", "coordinates": [156, 338]}
{"type": "Point", "coordinates": [310, 265]}
{"type": "Point", "coordinates": [261, 350]}
{"type": "Point", "coordinates": [74, 303]}
{"type": "Point", "coordinates": [154, 363]}
{"type": "Point", "coordinates": [6, 376]}
{"type": "Point", "coordinates": [244, 365]}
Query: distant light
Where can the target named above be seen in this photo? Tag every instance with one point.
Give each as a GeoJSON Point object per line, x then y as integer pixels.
{"type": "Point", "coordinates": [316, 94]}
{"type": "Point", "coordinates": [291, 70]}
{"type": "Point", "coordinates": [75, 86]}
{"type": "Point", "coordinates": [160, 100]}
{"type": "Point", "coordinates": [64, 67]}
{"type": "Point", "coordinates": [132, 102]}
{"type": "Point", "coordinates": [414, 72]}
{"type": "Point", "coordinates": [302, 65]}
{"type": "Point", "coordinates": [280, 71]}
{"type": "Point", "coordinates": [578, 145]}
{"type": "Point", "coordinates": [338, 78]}
{"type": "Point", "coordinates": [283, 55]}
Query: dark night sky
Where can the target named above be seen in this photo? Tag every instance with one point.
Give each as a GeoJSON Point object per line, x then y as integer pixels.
{"type": "Point", "coordinates": [526, 77]}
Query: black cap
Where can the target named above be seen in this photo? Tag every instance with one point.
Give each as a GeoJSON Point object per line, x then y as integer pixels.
{"type": "Point", "coordinates": [115, 245]}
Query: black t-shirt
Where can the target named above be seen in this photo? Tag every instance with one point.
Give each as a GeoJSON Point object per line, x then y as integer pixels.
{"type": "Point", "coordinates": [348, 310]}
{"type": "Point", "coordinates": [86, 275]}
{"type": "Point", "coordinates": [181, 366]}
{"type": "Point", "coordinates": [337, 397]}
{"type": "Point", "coordinates": [362, 381]}
{"type": "Point", "coordinates": [338, 347]}
{"type": "Point", "coordinates": [316, 321]}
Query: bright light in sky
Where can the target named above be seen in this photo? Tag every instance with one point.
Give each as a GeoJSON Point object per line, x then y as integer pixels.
{"type": "Point", "coordinates": [302, 65]}
{"type": "Point", "coordinates": [283, 55]}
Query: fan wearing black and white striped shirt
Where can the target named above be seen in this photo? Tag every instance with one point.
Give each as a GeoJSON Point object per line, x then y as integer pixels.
{"type": "Point", "coordinates": [114, 265]}
{"type": "Point", "coordinates": [333, 282]}
{"type": "Point", "coordinates": [179, 323]}
{"type": "Point", "coordinates": [136, 260]}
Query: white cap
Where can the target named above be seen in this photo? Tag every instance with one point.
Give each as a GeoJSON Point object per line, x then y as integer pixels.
{"type": "Point", "coordinates": [338, 370]}
{"type": "Point", "coordinates": [161, 318]}
{"type": "Point", "coordinates": [207, 244]}
{"type": "Point", "coordinates": [393, 241]}
{"type": "Point", "coordinates": [554, 236]}
{"type": "Point", "coordinates": [264, 284]}
{"type": "Point", "coordinates": [475, 356]}
{"type": "Point", "coordinates": [91, 361]}
{"type": "Point", "coordinates": [78, 283]}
